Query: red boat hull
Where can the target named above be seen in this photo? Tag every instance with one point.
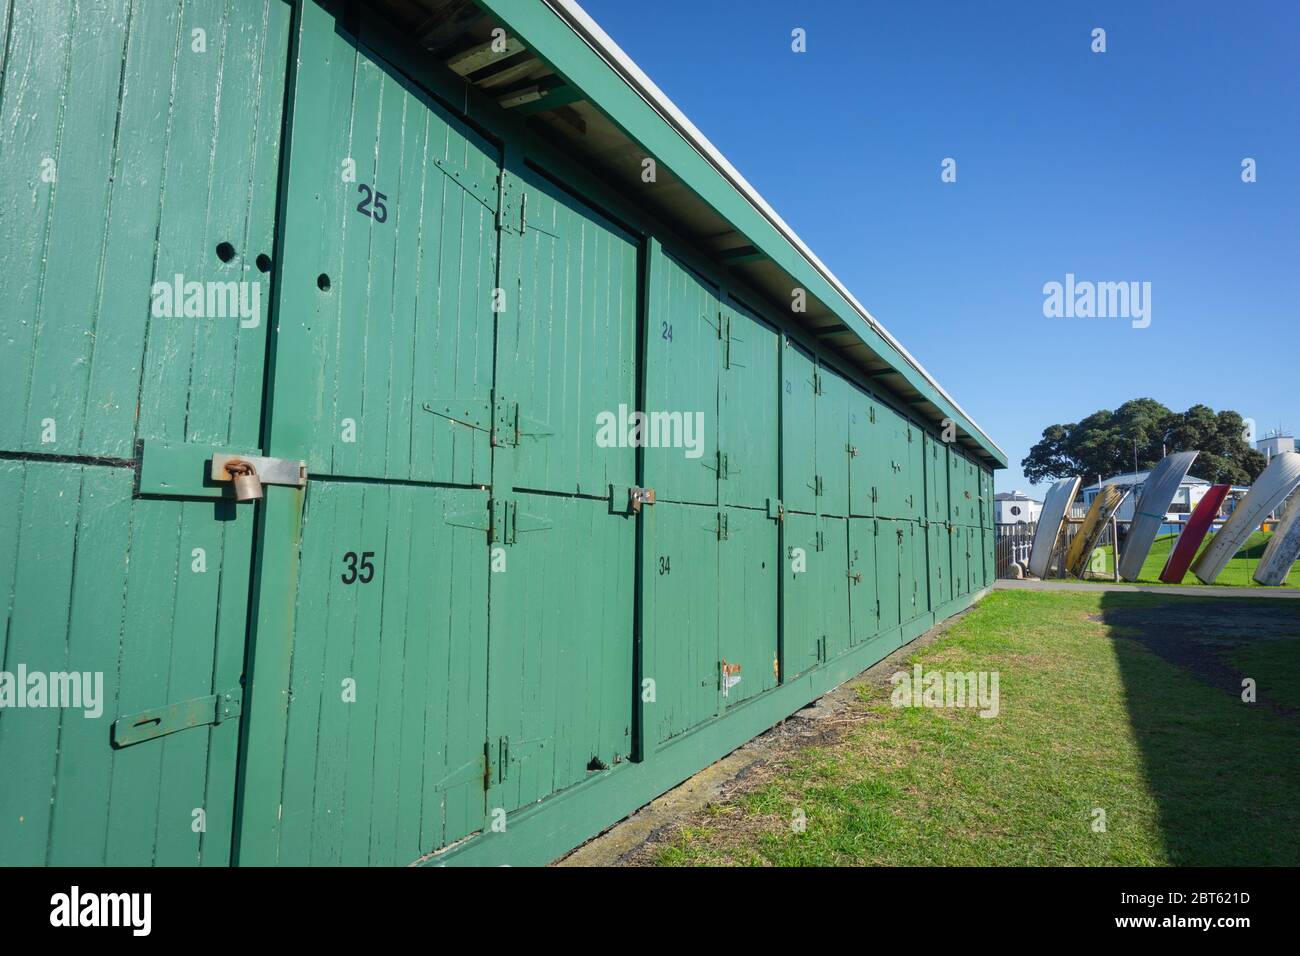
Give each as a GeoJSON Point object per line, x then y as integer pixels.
{"type": "Point", "coordinates": [1193, 533]}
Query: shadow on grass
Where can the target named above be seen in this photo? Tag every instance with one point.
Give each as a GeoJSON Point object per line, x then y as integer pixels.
{"type": "Point", "coordinates": [1225, 773]}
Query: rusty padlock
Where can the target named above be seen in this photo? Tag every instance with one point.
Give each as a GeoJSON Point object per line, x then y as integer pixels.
{"type": "Point", "coordinates": [248, 486]}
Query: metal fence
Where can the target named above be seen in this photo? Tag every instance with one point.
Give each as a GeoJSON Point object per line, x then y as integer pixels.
{"type": "Point", "coordinates": [1014, 541]}
{"type": "Point", "coordinates": [1011, 547]}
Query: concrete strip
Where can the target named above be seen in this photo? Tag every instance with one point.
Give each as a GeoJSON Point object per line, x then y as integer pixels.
{"type": "Point", "coordinates": [1008, 584]}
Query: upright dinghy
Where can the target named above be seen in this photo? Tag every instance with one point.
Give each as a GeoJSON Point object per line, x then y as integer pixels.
{"type": "Point", "coordinates": [1108, 500]}
{"type": "Point", "coordinates": [1282, 549]}
{"type": "Point", "coordinates": [1149, 513]}
{"type": "Point", "coordinates": [1057, 505]}
{"type": "Point", "coordinates": [1269, 490]}
{"type": "Point", "coordinates": [1193, 533]}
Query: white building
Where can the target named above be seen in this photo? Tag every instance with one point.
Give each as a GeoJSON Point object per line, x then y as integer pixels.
{"type": "Point", "coordinates": [1015, 507]}
{"type": "Point", "coordinates": [1274, 443]}
{"type": "Point", "coordinates": [1190, 491]}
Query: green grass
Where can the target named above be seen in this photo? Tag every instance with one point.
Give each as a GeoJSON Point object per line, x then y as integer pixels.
{"type": "Point", "coordinates": [1089, 718]}
{"type": "Point", "coordinates": [1237, 572]}
{"type": "Point", "coordinates": [1275, 667]}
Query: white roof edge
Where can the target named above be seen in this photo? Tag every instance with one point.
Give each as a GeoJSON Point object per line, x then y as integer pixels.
{"type": "Point", "coordinates": [589, 31]}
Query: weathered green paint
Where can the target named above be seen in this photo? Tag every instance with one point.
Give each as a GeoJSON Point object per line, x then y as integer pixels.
{"type": "Point", "coordinates": [683, 365]}
{"type": "Point", "coordinates": [798, 429]}
{"type": "Point", "coordinates": [803, 611]}
{"type": "Point", "coordinates": [566, 349]}
{"type": "Point", "coordinates": [446, 625]}
{"type": "Point", "coordinates": [832, 453]}
{"type": "Point", "coordinates": [128, 159]}
{"type": "Point", "coordinates": [680, 635]}
{"type": "Point", "coordinates": [748, 409]}
{"type": "Point", "coordinates": [747, 597]}
{"type": "Point", "coordinates": [832, 573]}
{"type": "Point", "coordinates": [865, 451]}
{"type": "Point", "coordinates": [560, 648]}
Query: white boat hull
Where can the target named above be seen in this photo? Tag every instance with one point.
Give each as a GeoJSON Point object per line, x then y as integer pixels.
{"type": "Point", "coordinates": [1273, 485]}
{"type": "Point", "coordinates": [1151, 509]}
{"type": "Point", "coordinates": [1055, 507]}
{"type": "Point", "coordinates": [1283, 548]}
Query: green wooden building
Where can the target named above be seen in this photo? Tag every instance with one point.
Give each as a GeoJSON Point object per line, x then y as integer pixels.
{"type": "Point", "coordinates": [577, 468]}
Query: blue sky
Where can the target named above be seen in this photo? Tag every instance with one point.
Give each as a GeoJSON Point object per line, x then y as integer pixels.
{"type": "Point", "coordinates": [1115, 166]}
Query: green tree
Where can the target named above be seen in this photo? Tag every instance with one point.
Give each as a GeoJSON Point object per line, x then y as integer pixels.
{"type": "Point", "coordinates": [1103, 443]}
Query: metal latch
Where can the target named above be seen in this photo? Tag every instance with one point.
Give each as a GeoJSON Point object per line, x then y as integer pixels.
{"type": "Point", "coordinates": [636, 497]}
{"type": "Point", "coordinates": [249, 472]}
{"type": "Point", "coordinates": [197, 712]}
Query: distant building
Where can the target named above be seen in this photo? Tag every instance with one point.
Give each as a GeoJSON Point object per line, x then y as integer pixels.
{"type": "Point", "coordinates": [1274, 443]}
{"type": "Point", "coordinates": [1190, 491]}
{"type": "Point", "coordinates": [1015, 507]}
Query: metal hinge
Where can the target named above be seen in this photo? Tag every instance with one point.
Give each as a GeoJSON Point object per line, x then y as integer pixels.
{"type": "Point", "coordinates": [873, 494]}
{"type": "Point", "coordinates": [817, 383]}
{"type": "Point", "coordinates": [819, 540]}
{"type": "Point", "coordinates": [508, 425]}
{"type": "Point", "coordinates": [819, 487]}
{"type": "Point", "coordinates": [722, 465]}
{"type": "Point", "coordinates": [872, 410]}
{"type": "Point", "coordinates": [507, 521]}
{"type": "Point", "coordinates": [505, 422]}
{"type": "Point", "coordinates": [496, 762]}
{"type": "Point", "coordinates": [775, 510]}
{"type": "Point", "coordinates": [853, 451]}
{"type": "Point", "coordinates": [501, 530]}
{"type": "Point", "coordinates": [197, 712]}
{"type": "Point", "coordinates": [722, 526]}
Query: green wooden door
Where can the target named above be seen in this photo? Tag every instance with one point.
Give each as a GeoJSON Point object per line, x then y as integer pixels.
{"type": "Point", "coordinates": [864, 601]}
{"type": "Point", "coordinates": [889, 547]}
{"type": "Point", "coordinates": [748, 409]}
{"type": "Point", "coordinates": [679, 630]}
{"type": "Point", "coordinates": [803, 612]}
{"type": "Point", "coordinates": [136, 166]}
{"type": "Point", "coordinates": [566, 350]}
{"type": "Point", "coordinates": [560, 694]}
{"type": "Point", "coordinates": [798, 429]}
{"type": "Point", "coordinates": [833, 442]}
{"type": "Point", "coordinates": [748, 577]}
{"type": "Point", "coordinates": [940, 560]}
{"type": "Point", "coordinates": [560, 668]}
{"type": "Point", "coordinates": [367, 724]}
{"type": "Point", "coordinates": [683, 364]}
{"type": "Point", "coordinates": [833, 570]}
{"type": "Point", "coordinates": [915, 581]}
{"type": "Point", "coordinates": [864, 452]}
{"type": "Point", "coordinates": [895, 495]}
